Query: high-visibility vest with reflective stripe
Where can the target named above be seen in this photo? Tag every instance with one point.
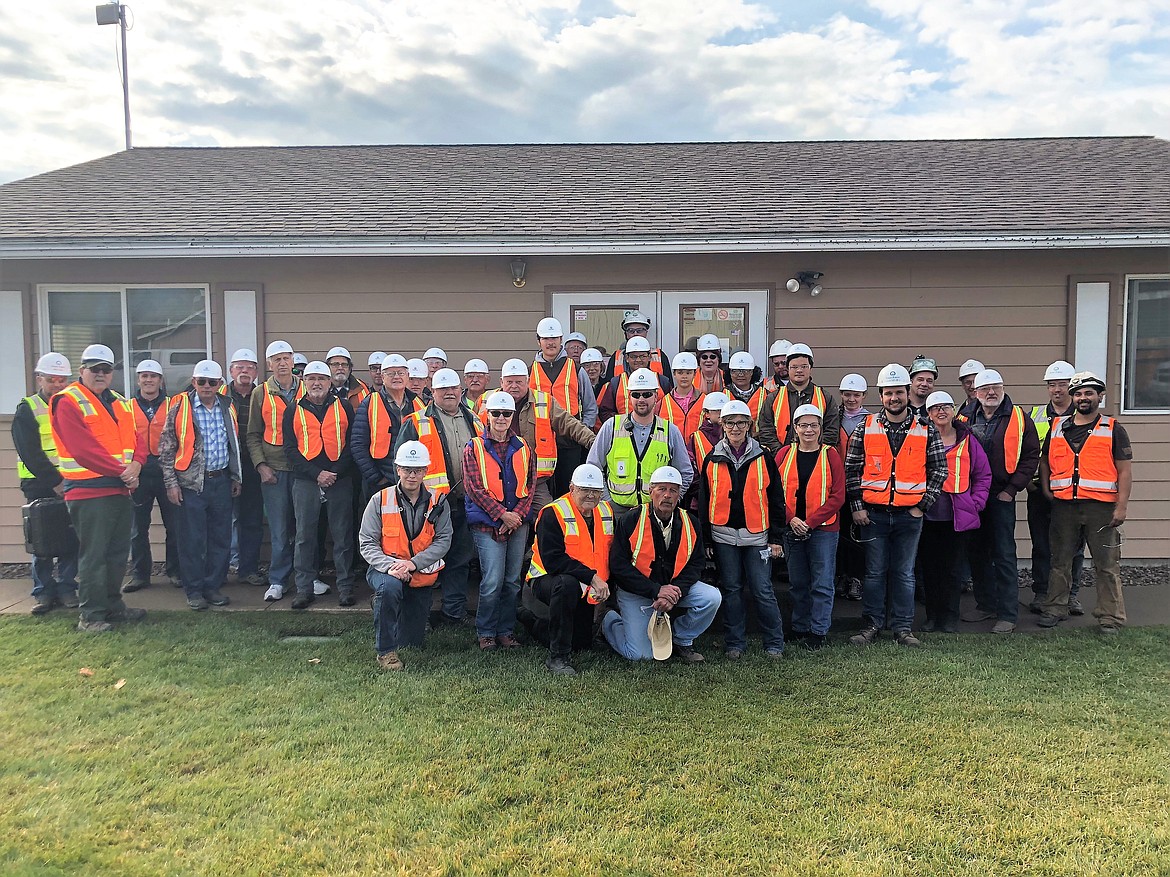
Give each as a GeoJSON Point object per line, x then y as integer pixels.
{"type": "Point", "coordinates": [642, 543]}
{"type": "Point", "coordinates": [395, 542]}
{"type": "Point", "coordinates": [754, 499]}
{"type": "Point", "coordinates": [627, 475]}
{"type": "Point", "coordinates": [687, 421]}
{"type": "Point", "coordinates": [40, 410]}
{"type": "Point", "coordinates": [491, 473]}
{"type": "Point", "coordinates": [958, 467]}
{"type": "Point", "coordinates": [272, 411]}
{"type": "Point", "coordinates": [546, 440]}
{"type": "Point", "coordinates": [890, 480]}
{"type": "Point", "coordinates": [816, 491]}
{"type": "Point", "coordinates": [1088, 474]}
{"type": "Point", "coordinates": [185, 430]}
{"type": "Point", "coordinates": [378, 417]}
{"type": "Point", "coordinates": [591, 550]}
{"type": "Point", "coordinates": [1013, 439]}
{"type": "Point", "coordinates": [437, 480]}
{"type": "Point", "coordinates": [1039, 416]}
{"type": "Point", "coordinates": [327, 434]}
{"type": "Point", "coordinates": [754, 402]}
{"type": "Point", "coordinates": [118, 435]}
{"type": "Point", "coordinates": [655, 366]}
{"type": "Point", "coordinates": [150, 430]}
{"type": "Point", "coordinates": [782, 413]}
{"type": "Point", "coordinates": [710, 385]}
{"type": "Point", "coordinates": [702, 446]}
{"type": "Point", "coordinates": [564, 389]}
{"type": "Point", "coordinates": [358, 394]}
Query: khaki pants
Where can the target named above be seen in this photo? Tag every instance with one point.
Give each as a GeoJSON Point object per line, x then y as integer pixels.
{"type": "Point", "coordinates": [1071, 519]}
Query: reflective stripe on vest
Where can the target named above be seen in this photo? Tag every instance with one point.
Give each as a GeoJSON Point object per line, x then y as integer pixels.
{"type": "Point", "coordinates": [881, 481]}
{"type": "Point", "coordinates": [816, 491]}
{"type": "Point", "coordinates": [590, 550]}
{"type": "Point", "coordinates": [958, 467]}
{"type": "Point", "coordinates": [642, 544]}
{"type": "Point", "coordinates": [380, 421]}
{"type": "Point", "coordinates": [151, 430]}
{"type": "Point", "coordinates": [702, 446]}
{"type": "Point", "coordinates": [754, 499]}
{"type": "Point", "coordinates": [185, 430]}
{"type": "Point", "coordinates": [687, 421]}
{"type": "Point", "coordinates": [782, 413]}
{"type": "Point", "coordinates": [626, 474]}
{"type": "Point", "coordinates": [1090, 473]}
{"type": "Point", "coordinates": [272, 412]}
{"type": "Point", "coordinates": [1013, 440]}
{"type": "Point", "coordinates": [395, 542]}
{"type": "Point", "coordinates": [117, 435]}
{"type": "Point", "coordinates": [491, 473]}
{"type": "Point", "coordinates": [546, 440]}
{"type": "Point", "coordinates": [327, 434]}
{"type": "Point", "coordinates": [40, 411]}
{"type": "Point", "coordinates": [564, 388]}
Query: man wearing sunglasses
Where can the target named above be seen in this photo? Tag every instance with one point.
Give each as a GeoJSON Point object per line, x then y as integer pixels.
{"type": "Point", "coordinates": [101, 457]}
{"type": "Point", "coordinates": [200, 457]}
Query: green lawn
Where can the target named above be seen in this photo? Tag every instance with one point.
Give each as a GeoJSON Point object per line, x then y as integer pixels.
{"type": "Point", "coordinates": [228, 753]}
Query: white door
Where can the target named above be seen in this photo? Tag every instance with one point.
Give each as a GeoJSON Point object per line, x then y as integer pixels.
{"type": "Point", "coordinates": [598, 315]}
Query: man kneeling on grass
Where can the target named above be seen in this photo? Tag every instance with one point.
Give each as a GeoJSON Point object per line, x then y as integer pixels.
{"type": "Point", "coordinates": [406, 531]}
{"type": "Point", "coordinates": [654, 565]}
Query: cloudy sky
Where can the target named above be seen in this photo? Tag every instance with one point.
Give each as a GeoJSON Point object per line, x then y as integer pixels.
{"type": "Point", "coordinates": [454, 71]}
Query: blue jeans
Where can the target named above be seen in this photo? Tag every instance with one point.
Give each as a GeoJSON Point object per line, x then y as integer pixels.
{"type": "Point", "coordinates": [741, 565]}
{"type": "Point", "coordinates": [500, 564]}
{"type": "Point", "coordinates": [248, 525]}
{"type": "Point", "coordinates": [993, 561]}
{"type": "Point", "coordinates": [625, 630]}
{"type": "Point", "coordinates": [890, 556]}
{"type": "Point", "coordinates": [400, 612]}
{"type": "Point", "coordinates": [205, 549]}
{"type": "Point", "coordinates": [278, 506]}
{"type": "Point", "coordinates": [453, 578]}
{"type": "Point", "coordinates": [150, 491]}
{"type": "Point", "coordinates": [812, 569]}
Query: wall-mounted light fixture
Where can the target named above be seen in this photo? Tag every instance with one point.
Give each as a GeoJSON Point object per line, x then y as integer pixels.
{"type": "Point", "coordinates": [519, 269]}
{"type": "Point", "coordinates": [808, 279]}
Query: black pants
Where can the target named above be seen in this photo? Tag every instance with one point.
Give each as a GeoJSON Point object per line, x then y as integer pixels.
{"type": "Point", "coordinates": [556, 614]}
{"type": "Point", "coordinates": [150, 490]}
{"type": "Point", "coordinates": [940, 552]}
{"type": "Point", "coordinates": [568, 458]}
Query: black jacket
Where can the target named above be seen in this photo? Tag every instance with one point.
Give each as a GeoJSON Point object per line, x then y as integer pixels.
{"type": "Point", "coordinates": [310, 469]}
{"type": "Point", "coordinates": [26, 437]}
{"type": "Point", "coordinates": [377, 473]}
{"type": "Point", "coordinates": [624, 575]}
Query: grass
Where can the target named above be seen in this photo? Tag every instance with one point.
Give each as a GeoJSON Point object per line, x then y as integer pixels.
{"type": "Point", "coordinates": [226, 752]}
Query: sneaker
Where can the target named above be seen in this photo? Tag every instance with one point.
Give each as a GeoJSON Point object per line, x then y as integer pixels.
{"type": "Point", "coordinates": [198, 603]}
{"type": "Point", "coordinates": [43, 605]}
{"type": "Point", "coordinates": [68, 600]}
{"type": "Point", "coordinates": [390, 661]}
{"type": "Point", "coordinates": [135, 585]}
{"type": "Point", "coordinates": [303, 601]}
{"type": "Point", "coordinates": [507, 641]}
{"type": "Point", "coordinates": [217, 598]}
{"type": "Point", "coordinates": [274, 593]}
{"type": "Point", "coordinates": [175, 581]}
{"type": "Point", "coordinates": [487, 644]}
{"type": "Point", "coordinates": [854, 590]}
{"type": "Point", "coordinates": [906, 638]}
{"type": "Point", "coordinates": [1108, 630]}
{"type": "Point", "coordinates": [1075, 607]}
{"type": "Point", "coordinates": [94, 626]}
{"type": "Point", "coordinates": [733, 654]}
{"type": "Point", "coordinates": [867, 637]}
{"type": "Point", "coordinates": [776, 654]}
{"type": "Point", "coordinates": [127, 614]}
{"type": "Point", "coordinates": [254, 579]}
{"type": "Point", "coordinates": [320, 588]}
{"type": "Point", "coordinates": [560, 666]}
{"type": "Point", "coordinates": [1003, 627]}
{"type": "Point", "coordinates": [974, 616]}
{"type": "Point", "coordinates": [1048, 620]}
{"type": "Point", "coordinates": [687, 654]}
{"type": "Point", "coordinates": [814, 642]}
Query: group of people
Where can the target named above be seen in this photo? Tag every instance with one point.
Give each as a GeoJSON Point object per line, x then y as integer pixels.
{"type": "Point", "coordinates": [624, 498]}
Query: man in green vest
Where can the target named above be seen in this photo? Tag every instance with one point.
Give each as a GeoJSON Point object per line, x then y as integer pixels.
{"type": "Point", "coordinates": [40, 478]}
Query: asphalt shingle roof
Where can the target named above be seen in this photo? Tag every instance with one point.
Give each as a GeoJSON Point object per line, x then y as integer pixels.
{"type": "Point", "coordinates": [601, 191]}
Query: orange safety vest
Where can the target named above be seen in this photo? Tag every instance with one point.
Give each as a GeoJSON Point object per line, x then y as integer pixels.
{"type": "Point", "coordinates": [754, 499]}
{"type": "Point", "coordinates": [118, 434]}
{"type": "Point", "coordinates": [378, 416]}
{"type": "Point", "coordinates": [958, 468]}
{"type": "Point", "coordinates": [492, 474]}
{"type": "Point", "coordinates": [816, 492]}
{"type": "Point", "coordinates": [889, 480]}
{"type": "Point", "coordinates": [755, 403]}
{"type": "Point", "coordinates": [1089, 474]}
{"type": "Point", "coordinates": [185, 431]}
{"type": "Point", "coordinates": [546, 439]}
{"type": "Point", "coordinates": [327, 434]}
{"type": "Point", "coordinates": [437, 480]}
{"type": "Point", "coordinates": [687, 421]}
{"type": "Point", "coordinates": [642, 543]}
{"type": "Point", "coordinates": [702, 445]}
{"type": "Point", "coordinates": [272, 412]}
{"type": "Point", "coordinates": [1013, 439]}
{"type": "Point", "coordinates": [564, 389]}
{"type": "Point", "coordinates": [395, 542]}
{"type": "Point", "coordinates": [150, 430]}
{"type": "Point", "coordinates": [782, 414]}
{"type": "Point", "coordinates": [358, 394]}
{"type": "Point", "coordinates": [655, 366]}
{"type": "Point", "coordinates": [589, 549]}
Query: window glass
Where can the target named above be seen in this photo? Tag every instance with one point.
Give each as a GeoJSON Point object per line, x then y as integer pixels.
{"type": "Point", "coordinates": [79, 319]}
{"type": "Point", "coordinates": [168, 325]}
{"type": "Point", "coordinates": [1147, 348]}
{"type": "Point", "coordinates": [600, 324]}
{"type": "Point", "coordinates": [727, 322]}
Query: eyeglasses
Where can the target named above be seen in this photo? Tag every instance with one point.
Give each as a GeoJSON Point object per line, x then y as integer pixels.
{"type": "Point", "coordinates": [411, 472]}
{"type": "Point", "coordinates": [206, 382]}
{"type": "Point", "coordinates": [101, 369]}
{"type": "Point", "coordinates": [736, 424]}
{"type": "Point", "coordinates": [708, 356]}
{"type": "Point", "coordinates": [643, 394]}
{"type": "Point", "coordinates": [808, 426]}
{"type": "Point", "coordinates": [637, 330]}
{"type": "Point", "coordinates": [589, 491]}
{"type": "Point", "coordinates": [1120, 537]}
{"type": "Point", "coordinates": [855, 534]}
{"type": "Point", "coordinates": [500, 414]}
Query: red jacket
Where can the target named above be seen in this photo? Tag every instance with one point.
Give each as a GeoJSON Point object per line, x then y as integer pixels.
{"type": "Point", "coordinates": [836, 499]}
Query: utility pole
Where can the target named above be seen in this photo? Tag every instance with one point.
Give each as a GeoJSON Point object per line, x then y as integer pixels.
{"type": "Point", "coordinates": [115, 13]}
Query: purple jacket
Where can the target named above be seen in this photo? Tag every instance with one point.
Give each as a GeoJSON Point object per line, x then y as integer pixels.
{"type": "Point", "coordinates": [967, 506]}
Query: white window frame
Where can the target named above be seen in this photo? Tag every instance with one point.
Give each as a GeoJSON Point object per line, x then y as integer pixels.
{"type": "Point", "coordinates": [1125, 345]}
{"type": "Point", "coordinates": [43, 290]}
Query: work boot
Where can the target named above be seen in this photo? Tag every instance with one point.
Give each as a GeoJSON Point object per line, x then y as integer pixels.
{"type": "Point", "coordinates": [94, 626]}
{"type": "Point", "coordinates": [906, 638]}
{"type": "Point", "coordinates": [43, 605]}
{"type": "Point", "coordinates": [345, 598]}
{"type": "Point", "coordinates": [390, 661]}
{"type": "Point", "coordinates": [559, 666]}
{"type": "Point", "coordinates": [303, 601]}
{"type": "Point", "coordinates": [867, 637]}
{"type": "Point", "coordinates": [217, 598]}
{"type": "Point", "coordinates": [135, 585]}
{"type": "Point", "coordinates": [687, 654]}
{"type": "Point", "coordinates": [127, 614]}
{"type": "Point", "coordinates": [1075, 607]}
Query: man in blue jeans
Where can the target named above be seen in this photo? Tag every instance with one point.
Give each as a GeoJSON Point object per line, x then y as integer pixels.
{"type": "Point", "coordinates": [895, 467]}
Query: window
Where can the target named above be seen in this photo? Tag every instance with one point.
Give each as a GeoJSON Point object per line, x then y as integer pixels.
{"type": "Point", "coordinates": [165, 323]}
{"type": "Point", "coordinates": [1146, 384]}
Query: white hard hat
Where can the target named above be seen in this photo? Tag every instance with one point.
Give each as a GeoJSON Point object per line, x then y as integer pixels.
{"type": "Point", "coordinates": [735, 406]}
{"type": "Point", "coordinates": [854, 382]}
{"type": "Point", "coordinates": [317, 367]}
{"type": "Point", "coordinates": [1086, 379]}
{"type": "Point", "coordinates": [277, 347]}
{"type": "Point", "coordinates": [637, 344]}
{"type": "Point", "coordinates": [588, 476]}
{"type": "Point", "coordinates": [208, 368]}
{"type": "Point", "coordinates": [338, 351]}
{"type": "Point", "coordinates": [549, 327]}
{"type": "Point", "coordinates": [802, 410]}
{"type": "Point", "coordinates": [55, 364]}
{"type": "Point", "coordinates": [666, 475]}
{"type": "Point", "coordinates": [148, 366]}
{"type": "Point", "coordinates": [514, 368]}
{"type": "Point", "coordinates": [714, 401]}
{"type": "Point", "coordinates": [445, 377]}
{"type": "Point", "coordinates": [395, 360]}
{"type": "Point", "coordinates": [893, 375]}
{"type": "Point", "coordinates": [576, 336]}
{"type": "Point", "coordinates": [413, 455]}
{"type": "Point", "coordinates": [418, 368]}
{"type": "Point", "coordinates": [300, 359]}
{"type": "Point", "coordinates": [96, 353]}
{"type": "Point", "coordinates": [986, 377]}
{"type": "Point", "coordinates": [500, 401]}
{"type": "Point", "coordinates": [244, 354]}
{"type": "Point", "coordinates": [939, 397]}
{"type": "Point", "coordinates": [684, 360]}
{"type": "Point", "coordinates": [970, 367]}
{"type": "Point", "coordinates": [635, 317]}
{"type": "Point", "coordinates": [643, 379]}
{"type": "Point", "coordinates": [435, 353]}
{"type": "Point", "coordinates": [709, 342]}
{"type": "Point", "coordinates": [779, 348]}
{"type": "Point", "coordinates": [741, 361]}
{"type": "Point", "coordinates": [376, 358]}
{"type": "Point", "coordinates": [1060, 371]}
{"type": "Point", "coordinates": [799, 350]}
{"type": "Point", "coordinates": [591, 354]}
{"type": "Point", "coordinates": [475, 366]}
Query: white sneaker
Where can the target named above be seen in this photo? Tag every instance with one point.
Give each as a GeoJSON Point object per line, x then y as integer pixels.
{"type": "Point", "coordinates": [320, 589]}
{"type": "Point", "coordinates": [274, 593]}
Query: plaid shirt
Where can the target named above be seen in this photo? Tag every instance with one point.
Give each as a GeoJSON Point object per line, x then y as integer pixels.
{"type": "Point", "coordinates": [473, 485]}
{"type": "Point", "coordinates": [214, 433]}
{"type": "Point", "coordinates": [936, 459]}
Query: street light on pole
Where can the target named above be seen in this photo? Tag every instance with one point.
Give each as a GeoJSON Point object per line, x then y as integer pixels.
{"type": "Point", "coordinates": [115, 13]}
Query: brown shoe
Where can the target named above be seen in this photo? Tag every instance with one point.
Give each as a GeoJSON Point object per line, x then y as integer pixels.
{"type": "Point", "coordinates": [487, 644]}
{"type": "Point", "coordinates": [507, 641]}
{"type": "Point", "coordinates": [390, 661]}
